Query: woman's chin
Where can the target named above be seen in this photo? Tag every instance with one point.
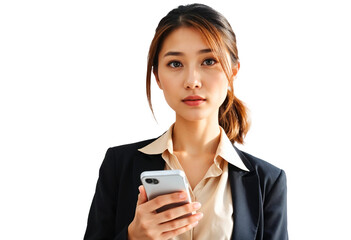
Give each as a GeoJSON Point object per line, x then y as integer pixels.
{"type": "Point", "coordinates": [192, 117]}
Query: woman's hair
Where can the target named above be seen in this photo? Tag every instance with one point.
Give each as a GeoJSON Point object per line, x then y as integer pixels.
{"type": "Point", "coordinates": [215, 28]}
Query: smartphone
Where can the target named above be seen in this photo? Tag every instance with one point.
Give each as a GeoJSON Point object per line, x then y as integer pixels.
{"type": "Point", "coordinates": [162, 182]}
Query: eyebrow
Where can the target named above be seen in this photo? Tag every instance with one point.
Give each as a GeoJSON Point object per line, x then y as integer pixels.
{"type": "Point", "coordinates": [174, 53]}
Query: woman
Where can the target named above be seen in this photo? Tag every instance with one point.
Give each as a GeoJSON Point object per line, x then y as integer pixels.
{"type": "Point", "coordinates": [194, 59]}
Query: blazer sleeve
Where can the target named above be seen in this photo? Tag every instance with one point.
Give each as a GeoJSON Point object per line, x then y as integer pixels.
{"type": "Point", "coordinates": [275, 210]}
{"type": "Point", "coordinates": [101, 219]}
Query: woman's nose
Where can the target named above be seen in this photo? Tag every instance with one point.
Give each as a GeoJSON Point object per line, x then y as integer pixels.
{"type": "Point", "coordinates": [192, 80]}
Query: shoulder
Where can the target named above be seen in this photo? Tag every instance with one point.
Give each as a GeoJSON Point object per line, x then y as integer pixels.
{"type": "Point", "coordinates": [131, 147]}
{"type": "Point", "coordinates": [260, 165]}
{"type": "Point", "coordinates": [125, 153]}
{"type": "Point", "coordinates": [268, 174]}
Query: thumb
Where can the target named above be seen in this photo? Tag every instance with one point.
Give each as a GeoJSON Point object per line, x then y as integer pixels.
{"type": "Point", "coordinates": [142, 198]}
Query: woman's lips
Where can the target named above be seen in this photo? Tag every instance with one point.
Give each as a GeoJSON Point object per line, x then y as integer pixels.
{"type": "Point", "coordinates": [193, 100]}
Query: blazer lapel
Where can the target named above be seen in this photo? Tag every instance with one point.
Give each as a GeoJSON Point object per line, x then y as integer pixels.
{"type": "Point", "coordinates": [247, 202]}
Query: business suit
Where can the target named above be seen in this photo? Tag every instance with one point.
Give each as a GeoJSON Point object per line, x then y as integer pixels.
{"type": "Point", "coordinates": [259, 196]}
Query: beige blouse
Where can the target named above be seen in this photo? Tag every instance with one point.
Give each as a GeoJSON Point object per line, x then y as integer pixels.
{"type": "Point", "coordinates": [213, 191]}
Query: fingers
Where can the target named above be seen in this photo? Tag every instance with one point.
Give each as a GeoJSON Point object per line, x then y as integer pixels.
{"type": "Point", "coordinates": [148, 223]}
{"type": "Point", "coordinates": [181, 222]}
{"type": "Point", "coordinates": [178, 212]}
{"type": "Point", "coordinates": [163, 200]}
{"type": "Point", "coordinates": [142, 197]}
{"type": "Point", "coordinates": [185, 225]}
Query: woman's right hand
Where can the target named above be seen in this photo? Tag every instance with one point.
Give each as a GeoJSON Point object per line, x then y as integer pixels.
{"type": "Point", "coordinates": [148, 224]}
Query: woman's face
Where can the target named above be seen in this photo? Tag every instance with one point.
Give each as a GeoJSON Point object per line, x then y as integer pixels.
{"type": "Point", "coordinates": [193, 81]}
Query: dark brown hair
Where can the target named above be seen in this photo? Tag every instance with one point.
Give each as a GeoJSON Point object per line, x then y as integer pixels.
{"type": "Point", "coordinates": [218, 33]}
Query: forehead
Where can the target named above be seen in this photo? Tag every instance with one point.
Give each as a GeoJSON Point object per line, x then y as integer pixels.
{"type": "Point", "coordinates": [184, 39]}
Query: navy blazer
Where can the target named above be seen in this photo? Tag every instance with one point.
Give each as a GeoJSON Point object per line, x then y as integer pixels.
{"type": "Point", "coordinates": [259, 196]}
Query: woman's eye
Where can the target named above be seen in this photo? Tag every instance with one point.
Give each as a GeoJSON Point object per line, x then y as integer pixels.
{"type": "Point", "coordinates": [209, 62]}
{"type": "Point", "coordinates": [175, 64]}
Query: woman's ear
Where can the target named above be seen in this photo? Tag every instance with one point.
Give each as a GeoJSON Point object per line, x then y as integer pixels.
{"type": "Point", "coordinates": [236, 68]}
{"type": "Point", "coordinates": [157, 79]}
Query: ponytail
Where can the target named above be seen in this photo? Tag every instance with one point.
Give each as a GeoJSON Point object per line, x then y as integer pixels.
{"type": "Point", "coordinates": [233, 118]}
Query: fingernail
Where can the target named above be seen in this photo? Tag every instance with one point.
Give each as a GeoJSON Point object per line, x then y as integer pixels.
{"type": "Point", "coordinates": [196, 205]}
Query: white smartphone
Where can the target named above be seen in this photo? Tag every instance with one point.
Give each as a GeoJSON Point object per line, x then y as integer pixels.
{"type": "Point", "coordinates": [162, 182]}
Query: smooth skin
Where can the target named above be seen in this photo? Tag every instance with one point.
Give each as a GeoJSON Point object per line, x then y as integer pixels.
{"type": "Point", "coordinates": [187, 67]}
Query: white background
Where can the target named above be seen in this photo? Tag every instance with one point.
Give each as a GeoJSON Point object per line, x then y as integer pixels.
{"type": "Point", "coordinates": [72, 79]}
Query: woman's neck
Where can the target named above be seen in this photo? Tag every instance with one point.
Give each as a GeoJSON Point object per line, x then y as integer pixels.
{"type": "Point", "coordinates": [196, 137]}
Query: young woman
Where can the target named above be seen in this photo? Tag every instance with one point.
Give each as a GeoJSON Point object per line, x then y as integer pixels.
{"type": "Point", "coordinates": [194, 59]}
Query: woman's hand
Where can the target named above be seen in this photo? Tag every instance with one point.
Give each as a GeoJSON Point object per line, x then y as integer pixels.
{"type": "Point", "coordinates": [148, 224]}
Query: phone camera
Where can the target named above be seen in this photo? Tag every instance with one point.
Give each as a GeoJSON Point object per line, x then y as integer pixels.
{"type": "Point", "coordinates": [152, 181]}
